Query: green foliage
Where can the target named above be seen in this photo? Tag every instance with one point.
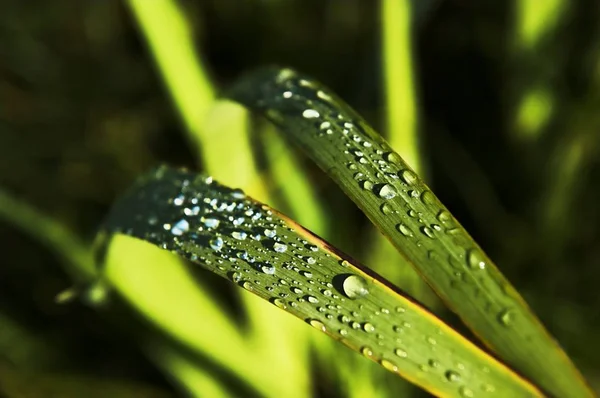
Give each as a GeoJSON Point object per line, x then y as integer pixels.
{"type": "Point", "coordinates": [504, 134]}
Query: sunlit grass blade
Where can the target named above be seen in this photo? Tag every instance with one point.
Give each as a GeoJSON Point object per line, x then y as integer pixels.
{"type": "Point", "coordinates": [270, 255]}
{"type": "Point", "coordinates": [399, 203]}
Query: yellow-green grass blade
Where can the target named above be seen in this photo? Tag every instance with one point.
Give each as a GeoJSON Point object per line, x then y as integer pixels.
{"type": "Point", "coordinates": [219, 133]}
{"type": "Point", "coordinates": [299, 195]}
{"type": "Point", "coordinates": [271, 256]}
{"type": "Point", "coordinates": [170, 40]}
{"type": "Point", "coordinates": [399, 203]}
{"type": "Point", "coordinates": [401, 118]}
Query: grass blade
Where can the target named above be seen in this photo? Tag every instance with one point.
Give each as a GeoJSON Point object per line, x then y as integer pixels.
{"type": "Point", "coordinates": [399, 203]}
{"type": "Point", "coordinates": [268, 254]}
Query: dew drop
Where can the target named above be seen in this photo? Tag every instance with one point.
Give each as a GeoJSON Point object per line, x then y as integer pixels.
{"type": "Point", "coordinates": [238, 194]}
{"type": "Point", "coordinates": [506, 317]}
{"type": "Point", "coordinates": [178, 201]}
{"type": "Point", "coordinates": [466, 392]}
{"type": "Point", "coordinates": [210, 222]}
{"type": "Point", "coordinates": [400, 352]}
{"type": "Point", "coordinates": [386, 191]}
{"type": "Point", "coordinates": [279, 247]}
{"type": "Point", "coordinates": [180, 227]}
{"type": "Point", "coordinates": [239, 235]}
{"type": "Point", "coordinates": [369, 328]}
{"type": "Point", "coordinates": [428, 198]}
{"type": "Point", "coordinates": [315, 323]}
{"type": "Point", "coordinates": [280, 303]}
{"type": "Point", "coordinates": [392, 157]}
{"type": "Point", "coordinates": [310, 260]}
{"type": "Point", "coordinates": [386, 209]}
{"type": "Point", "coordinates": [452, 376]}
{"type": "Point", "coordinates": [310, 114]}
{"type": "Point", "coordinates": [475, 259]}
{"type": "Point", "coordinates": [444, 216]}
{"type": "Point", "coordinates": [354, 287]}
{"type": "Point", "coordinates": [367, 351]}
{"type": "Point", "coordinates": [389, 365]}
{"type": "Point", "coordinates": [312, 299]}
{"type": "Point", "coordinates": [268, 269]}
{"type": "Point", "coordinates": [269, 233]}
{"type": "Point", "coordinates": [235, 277]}
{"type": "Point", "coordinates": [216, 243]}
{"type": "Point", "coordinates": [367, 185]}
{"type": "Point", "coordinates": [408, 176]}
{"type": "Point", "coordinates": [404, 230]}
{"type": "Point", "coordinates": [428, 232]}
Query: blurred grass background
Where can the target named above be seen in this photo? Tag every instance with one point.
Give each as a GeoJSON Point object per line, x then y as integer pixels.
{"type": "Point", "coordinates": [496, 103]}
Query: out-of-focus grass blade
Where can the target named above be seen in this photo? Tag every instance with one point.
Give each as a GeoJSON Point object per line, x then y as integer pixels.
{"type": "Point", "coordinates": [399, 203]}
{"type": "Point", "coordinates": [268, 254]}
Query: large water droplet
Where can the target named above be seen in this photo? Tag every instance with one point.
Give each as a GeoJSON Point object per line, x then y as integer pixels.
{"type": "Point", "coordinates": [428, 198]}
{"type": "Point", "coordinates": [367, 351]}
{"type": "Point", "coordinates": [210, 222]}
{"type": "Point", "coordinates": [367, 185]}
{"type": "Point", "coordinates": [279, 303]}
{"type": "Point", "coordinates": [180, 227]}
{"type": "Point", "coordinates": [369, 328]}
{"type": "Point", "coordinates": [238, 194]}
{"type": "Point", "coordinates": [386, 191]}
{"type": "Point", "coordinates": [408, 176]}
{"type": "Point", "coordinates": [310, 114]}
{"type": "Point", "coordinates": [452, 376]}
{"type": "Point", "coordinates": [216, 243]}
{"type": "Point", "coordinates": [178, 201]}
{"type": "Point", "coordinates": [354, 286]}
{"type": "Point", "coordinates": [239, 235]}
{"type": "Point", "coordinates": [475, 259]}
{"type": "Point", "coordinates": [389, 365]}
{"type": "Point", "coordinates": [506, 317]}
{"type": "Point", "coordinates": [428, 232]}
{"type": "Point", "coordinates": [269, 233]}
{"type": "Point", "coordinates": [279, 247]}
{"type": "Point", "coordinates": [444, 216]}
{"type": "Point", "coordinates": [400, 352]}
{"type": "Point", "coordinates": [315, 323]}
{"type": "Point", "coordinates": [404, 230]}
{"type": "Point", "coordinates": [386, 209]}
{"type": "Point", "coordinates": [392, 157]}
{"type": "Point", "coordinates": [312, 299]}
{"type": "Point", "coordinates": [267, 269]}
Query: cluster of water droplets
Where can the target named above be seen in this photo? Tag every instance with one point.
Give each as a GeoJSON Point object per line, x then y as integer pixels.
{"type": "Point", "coordinates": [402, 196]}
{"type": "Point", "coordinates": [251, 245]}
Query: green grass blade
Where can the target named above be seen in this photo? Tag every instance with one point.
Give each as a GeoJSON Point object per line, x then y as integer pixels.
{"type": "Point", "coordinates": [399, 203]}
{"type": "Point", "coordinates": [273, 257]}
